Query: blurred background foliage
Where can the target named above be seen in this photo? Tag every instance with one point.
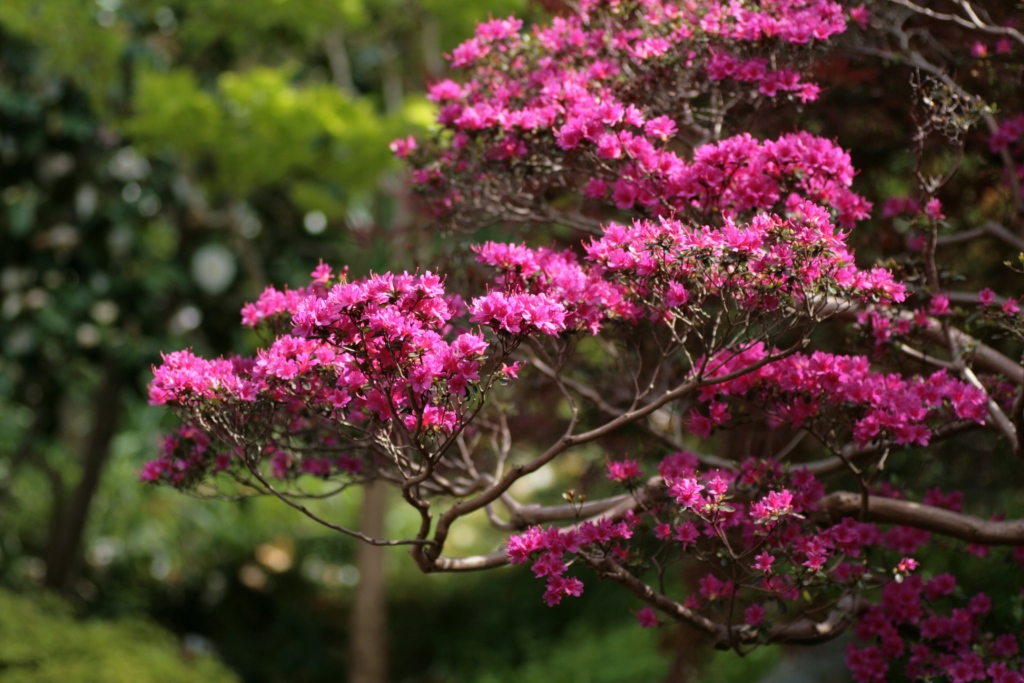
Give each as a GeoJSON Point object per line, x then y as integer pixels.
{"type": "Point", "coordinates": [41, 642]}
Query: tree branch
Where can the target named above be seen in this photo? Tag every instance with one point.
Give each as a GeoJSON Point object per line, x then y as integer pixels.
{"type": "Point", "coordinates": [957, 525]}
{"type": "Point", "coordinates": [990, 228]}
{"type": "Point", "coordinates": [571, 440]}
{"type": "Point", "coordinates": [804, 630]}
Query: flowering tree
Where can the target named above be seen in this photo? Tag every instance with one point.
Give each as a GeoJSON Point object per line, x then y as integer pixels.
{"type": "Point", "coordinates": [697, 284]}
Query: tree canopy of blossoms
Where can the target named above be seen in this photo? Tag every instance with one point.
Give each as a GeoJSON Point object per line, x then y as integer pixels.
{"type": "Point", "coordinates": [674, 284]}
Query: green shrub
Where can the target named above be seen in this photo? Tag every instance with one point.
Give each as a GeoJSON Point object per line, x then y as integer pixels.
{"type": "Point", "coordinates": [42, 642]}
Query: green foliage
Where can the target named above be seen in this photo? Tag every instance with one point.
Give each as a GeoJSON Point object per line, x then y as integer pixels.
{"type": "Point", "coordinates": [729, 667]}
{"type": "Point", "coordinates": [41, 642]}
{"type": "Point", "coordinates": [259, 128]}
{"type": "Point", "coordinates": [622, 655]}
{"type": "Point", "coordinates": [144, 529]}
{"type": "Point", "coordinates": [91, 57]}
{"type": "Point", "coordinates": [201, 24]}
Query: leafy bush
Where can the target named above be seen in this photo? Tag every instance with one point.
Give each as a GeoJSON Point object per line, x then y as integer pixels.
{"type": "Point", "coordinates": [42, 642]}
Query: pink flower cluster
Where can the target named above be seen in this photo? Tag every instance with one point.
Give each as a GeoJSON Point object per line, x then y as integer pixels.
{"type": "Point", "coordinates": [271, 304]}
{"type": "Point", "coordinates": [665, 269]}
{"type": "Point", "coordinates": [185, 457]}
{"type": "Point", "coordinates": [551, 546]}
{"type": "Point", "coordinates": [793, 21]}
{"type": "Point", "coordinates": [615, 142]}
{"type": "Point", "coordinates": [374, 348]}
{"type": "Point", "coordinates": [896, 206]}
{"type": "Point", "coordinates": [773, 496]}
{"type": "Point", "coordinates": [757, 516]}
{"type": "Point", "coordinates": [1009, 131]}
{"type": "Point", "coordinates": [624, 471]}
{"type": "Point", "coordinates": [585, 296]}
{"type": "Point", "coordinates": [519, 314]}
{"type": "Point", "coordinates": [184, 378]}
{"type": "Point", "coordinates": [1010, 307]}
{"type": "Point", "coordinates": [757, 70]}
{"type": "Point", "coordinates": [800, 389]}
{"type": "Point", "coordinates": [910, 626]}
{"type": "Point", "coordinates": [609, 106]}
{"type": "Point", "coordinates": [359, 353]}
{"type": "Point", "coordinates": [760, 265]}
{"type": "Point", "coordinates": [775, 505]}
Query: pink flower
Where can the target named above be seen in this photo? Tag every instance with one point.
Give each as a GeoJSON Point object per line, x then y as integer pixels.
{"type": "Point", "coordinates": [979, 50]}
{"type": "Point", "coordinates": [776, 504]}
{"type": "Point", "coordinates": [676, 295]}
{"type": "Point", "coordinates": [608, 146]}
{"type": "Point", "coordinates": [939, 305]}
{"type": "Point", "coordinates": [498, 29]}
{"type": "Point", "coordinates": [754, 615]}
{"type": "Point", "coordinates": [980, 604]}
{"type": "Point", "coordinates": [522, 546]}
{"type": "Point", "coordinates": [596, 188]}
{"type": "Point", "coordinates": [860, 15]}
{"type": "Point", "coordinates": [999, 673]}
{"type": "Point", "coordinates": [469, 52]}
{"type": "Point", "coordinates": [687, 533]}
{"type": "Point", "coordinates": [906, 565]}
{"type": "Point", "coordinates": [763, 562]}
{"type": "Point", "coordinates": [868, 665]}
{"type": "Point", "coordinates": [558, 587]}
{"type": "Point", "coordinates": [816, 560]}
{"type": "Point", "coordinates": [624, 470]}
{"type": "Point", "coordinates": [153, 470]}
{"type": "Point", "coordinates": [933, 209]}
{"type": "Point", "coordinates": [1004, 646]}
{"type": "Point", "coordinates": [969, 667]}
{"type": "Point", "coordinates": [402, 147]}
{"type": "Point", "coordinates": [549, 564]}
{"type": "Point", "coordinates": [519, 313]}
{"type": "Point", "coordinates": [699, 425]}
{"type": "Point", "coordinates": [718, 487]}
{"type": "Point", "coordinates": [647, 618]}
{"type": "Point", "coordinates": [510, 371]}
{"type": "Point", "coordinates": [986, 296]}
{"type": "Point", "coordinates": [686, 491]}
{"type": "Point", "coordinates": [712, 588]}
{"type": "Point", "coordinates": [1011, 307]}
{"type": "Point", "coordinates": [661, 127]}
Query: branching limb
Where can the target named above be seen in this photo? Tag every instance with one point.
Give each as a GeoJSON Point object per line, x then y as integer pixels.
{"type": "Point", "coordinates": [498, 558]}
{"type": "Point", "coordinates": [972, 21]}
{"type": "Point", "coordinates": [967, 528]}
{"type": "Point", "coordinates": [320, 520]}
{"type": "Point", "coordinates": [594, 397]}
{"type": "Point", "coordinates": [570, 440]}
{"type": "Point", "coordinates": [984, 356]}
{"type": "Point", "coordinates": [804, 630]}
{"type": "Point", "coordinates": [853, 454]}
{"type": "Point", "coordinates": [990, 229]}
{"type": "Point", "coordinates": [996, 414]}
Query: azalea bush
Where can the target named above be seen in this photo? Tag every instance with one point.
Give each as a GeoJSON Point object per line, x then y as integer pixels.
{"type": "Point", "coordinates": [675, 284]}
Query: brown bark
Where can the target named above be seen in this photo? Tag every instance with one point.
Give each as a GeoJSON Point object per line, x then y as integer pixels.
{"type": "Point", "coordinates": [925, 517]}
{"type": "Point", "coordinates": [65, 541]}
{"type": "Point", "coordinates": [369, 647]}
